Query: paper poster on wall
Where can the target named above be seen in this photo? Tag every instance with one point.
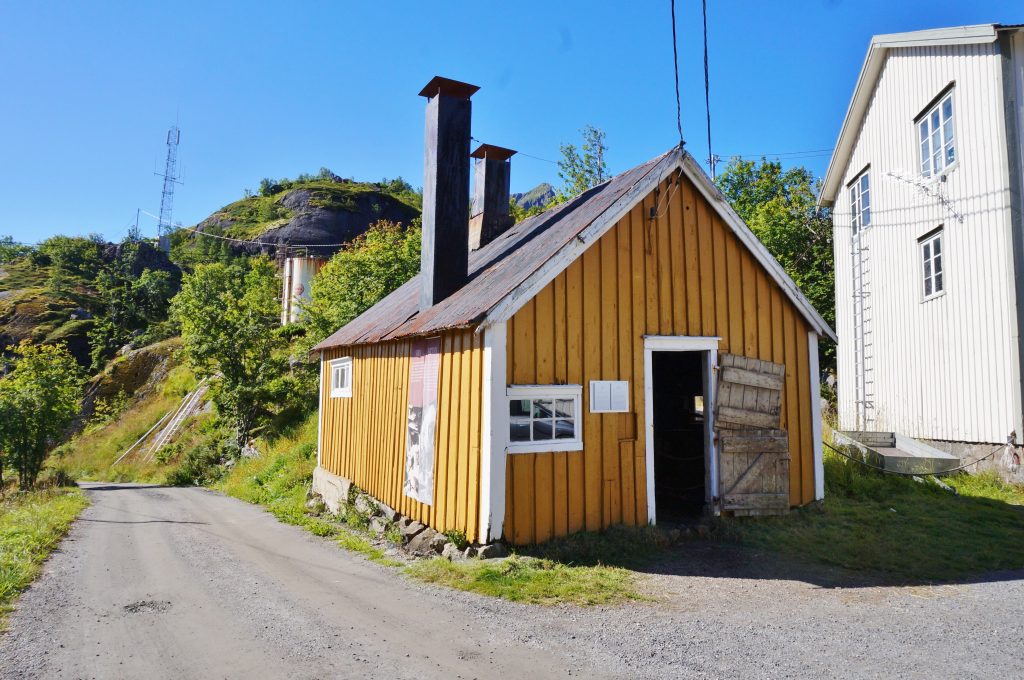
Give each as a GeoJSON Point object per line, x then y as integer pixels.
{"type": "Point", "coordinates": [422, 420]}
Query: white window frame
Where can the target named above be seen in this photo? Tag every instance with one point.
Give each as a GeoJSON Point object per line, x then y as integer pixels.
{"type": "Point", "coordinates": [860, 201]}
{"type": "Point", "coordinates": [943, 136]}
{"type": "Point", "coordinates": [345, 389]}
{"type": "Point", "coordinates": [928, 241]}
{"type": "Point", "coordinates": [534, 392]}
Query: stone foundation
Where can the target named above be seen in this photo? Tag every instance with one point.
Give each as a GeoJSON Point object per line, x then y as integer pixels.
{"type": "Point", "coordinates": [416, 538]}
{"type": "Point", "coordinates": [333, 489]}
{"type": "Point", "coordinates": [1005, 463]}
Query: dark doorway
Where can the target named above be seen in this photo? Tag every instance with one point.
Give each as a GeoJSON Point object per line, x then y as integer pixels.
{"type": "Point", "coordinates": [679, 435]}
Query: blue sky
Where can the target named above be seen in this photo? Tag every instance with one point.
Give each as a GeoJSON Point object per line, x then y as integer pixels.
{"type": "Point", "coordinates": [276, 89]}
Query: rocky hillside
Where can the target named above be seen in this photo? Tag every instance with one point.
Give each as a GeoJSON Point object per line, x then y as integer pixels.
{"type": "Point", "coordinates": [539, 196]}
{"type": "Point", "coordinates": [318, 210]}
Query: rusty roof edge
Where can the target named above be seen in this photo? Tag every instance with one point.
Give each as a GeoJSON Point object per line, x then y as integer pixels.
{"type": "Point", "coordinates": [514, 300]}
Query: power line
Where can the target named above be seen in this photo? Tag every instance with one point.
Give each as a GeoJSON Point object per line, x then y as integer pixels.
{"type": "Point", "coordinates": [707, 88]}
{"type": "Point", "coordinates": [523, 153]}
{"type": "Point", "coordinates": [675, 64]}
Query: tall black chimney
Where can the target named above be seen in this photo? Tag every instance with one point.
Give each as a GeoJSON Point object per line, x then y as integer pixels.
{"type": "Point", "coordinates": [445, 254]}
{"type": "Point", "coordinates": [492, 179]}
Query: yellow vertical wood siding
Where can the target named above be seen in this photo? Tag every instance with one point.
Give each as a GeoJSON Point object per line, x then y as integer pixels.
{"type": "Point", "coordinates": [683, 273]}
{"type": "Point", "coordinates": [363, 437]}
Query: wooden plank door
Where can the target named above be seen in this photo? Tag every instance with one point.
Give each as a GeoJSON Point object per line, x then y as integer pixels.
{"type": "Point", "coordinates": [753, 450]}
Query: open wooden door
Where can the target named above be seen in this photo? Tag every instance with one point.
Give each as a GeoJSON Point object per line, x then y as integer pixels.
{"type": "Point", "coordinates": [753, 450]}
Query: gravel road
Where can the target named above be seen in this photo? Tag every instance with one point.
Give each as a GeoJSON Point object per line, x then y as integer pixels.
{"type": "Point", "coordinates": [185, 583]}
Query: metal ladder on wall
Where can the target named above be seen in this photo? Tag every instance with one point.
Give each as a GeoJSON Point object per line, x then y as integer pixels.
{"type": "Point", "coordinates": [863, 343]}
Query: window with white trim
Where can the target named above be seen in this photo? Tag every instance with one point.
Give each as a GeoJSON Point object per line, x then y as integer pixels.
{"type": "Point", "coordinates": [544, 418]}
{"type": "Point", "coordinates": [931, 259]}
{"type": "Point", "coordinates": [936, 138]}
{"type": "Point", "coordinates": [341, 377]}
{"type": "Point", "coordinates": [860, 202]}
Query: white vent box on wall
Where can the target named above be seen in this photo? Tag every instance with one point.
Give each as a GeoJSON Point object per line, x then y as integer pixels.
{"type": "Point", "coordinates": [609, 396]}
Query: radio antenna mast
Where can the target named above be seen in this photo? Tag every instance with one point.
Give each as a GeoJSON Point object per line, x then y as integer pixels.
{"type": "Point", "coordinates": [170, 176]}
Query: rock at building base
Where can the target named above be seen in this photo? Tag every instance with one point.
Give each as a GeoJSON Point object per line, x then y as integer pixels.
{"type": "Point", "coordinates": [365, 506]}
{"type": "Point", "coordinates": [387, 511]}
{"type": "Point", "coordinates": [378, 525]}
{"type": "Point", "coordinates": [421, 543]}
{"type": "Point", "coordinates": [410, 528]}
{"type": "Point", "coordinates": [451, 553]}
{"type": "Point", "coordinates": [438, 542]}
{"type": "Point", "coordinates": [316, 506]}
{"type": "Point", "coordinates": [491, 551]}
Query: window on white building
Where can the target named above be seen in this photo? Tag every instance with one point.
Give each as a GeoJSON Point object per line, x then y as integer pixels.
{"type": "Point", "coordinates": [931, 259]}
{"type": "Point", "coordinates": [936, 136]}
{"type": "Point", "coordinates": [341, 377]}
{"type": "Point", "coordinates": [544, 418]}
{"type": "Point", "coordinates": [860, 202]}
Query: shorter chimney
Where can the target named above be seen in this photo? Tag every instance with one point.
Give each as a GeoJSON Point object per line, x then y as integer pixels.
{"type": "Point", "coordinates": [444, 260]}
{"type": "Point", "coordinates": [492, 178]}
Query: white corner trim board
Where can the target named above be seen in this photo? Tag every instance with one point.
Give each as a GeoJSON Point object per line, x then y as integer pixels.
{"type": "Point", "coordinates": [320, 413]}
{"type": "Point", "coordinates": [493, 434]}
{"type": "Point", "coordinates": [815, 377]}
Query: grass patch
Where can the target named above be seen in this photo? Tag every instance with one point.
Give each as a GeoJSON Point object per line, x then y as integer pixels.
{"type": "Point", "coordinates": [892, 525]}
{"type": "Point", "coordinates": [587, 568]}
{"type": "Point", "coordinates": [531, 580]}
{"type": "Point", "coordinates": [31, 526]}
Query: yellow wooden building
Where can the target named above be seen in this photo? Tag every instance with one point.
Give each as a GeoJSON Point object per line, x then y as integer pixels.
{"type": "Point", "coordinates": [633, 355]}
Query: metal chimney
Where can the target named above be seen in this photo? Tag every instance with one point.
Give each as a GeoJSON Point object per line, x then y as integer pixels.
{"type": "Point", "coordinates": [492, 176]}
{"type": "Point", "coordinates": [445, 253]}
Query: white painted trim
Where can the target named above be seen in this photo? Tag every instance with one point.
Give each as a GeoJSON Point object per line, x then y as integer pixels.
{"type": "Point", "coordinates": [493, 434]}
{"type": "Point", "coordinates": [816, 436]}
{"type": "Point", "coordinates": [342, 392]}
{"type": "Point", "coordinates": [574, 249]}
{"type": "Point", "coordinates": [320, 412]}
{"type": "Point", "coordinates": [541, 391]}
{"type": "Point", "coordinates": [574, 392]}
{"type": "Point", "coordinates": [680, 343]}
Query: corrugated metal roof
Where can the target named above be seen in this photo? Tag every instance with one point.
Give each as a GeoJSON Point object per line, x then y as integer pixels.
{"type": "Point", "coordinates": [495, 270]}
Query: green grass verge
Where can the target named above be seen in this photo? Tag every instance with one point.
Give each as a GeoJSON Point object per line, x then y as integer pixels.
{"type": "Point", "coordinates": [31, 526]}
{"type": "Point", "coordinates": [903, 530]}
{"type": "Point", "coordinates": [532, 580]}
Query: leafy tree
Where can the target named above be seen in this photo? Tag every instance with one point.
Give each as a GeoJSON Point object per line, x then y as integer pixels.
{"type": "Point", "coordinates": [584, 168]}
{"type": "Point", "coordinates": [780, 207]}
{"type": "Point", "coordinates": [356, 278]}
{"type": "Point", "coordinates": [132, 301]}
{"type": "Point", "coordinates": [38, 399]}
{"type": "Point", "coordinates": [268, 187]}
{"type": "Point", "coordinates": [73, 258]}
{"type": "Point", "coordinates": [11, 250]}
{"type": "Point", "coordinates": [228, 315]}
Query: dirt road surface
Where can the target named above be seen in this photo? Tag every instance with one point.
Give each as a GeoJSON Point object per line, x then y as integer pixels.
{"type": "Point", "coordinates": [185, 583]}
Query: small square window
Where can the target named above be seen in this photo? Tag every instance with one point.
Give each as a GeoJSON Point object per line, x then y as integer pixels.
{"type": "Point", "coordinates": [341, 377]}
{"type": "Point", "coordinates": [932, 270]}
{"type": "Point", "coordinates": [544, 418]}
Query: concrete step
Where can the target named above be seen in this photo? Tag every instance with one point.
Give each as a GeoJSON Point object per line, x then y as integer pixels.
{"type": "Point", "coordinates": [902, 454]}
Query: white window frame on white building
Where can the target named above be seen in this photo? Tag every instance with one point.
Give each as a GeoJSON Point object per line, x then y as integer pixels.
{"type": "Point", "coordinates": [936, 136]}
{"type": "Point", "coordinates": [561, 398]}
{"type": "Point", "coordinates": [860, 201]}
{"type": "Point", "coordinates": [933, 270]}
{"type": "Point", "coordinates": [341, 377]}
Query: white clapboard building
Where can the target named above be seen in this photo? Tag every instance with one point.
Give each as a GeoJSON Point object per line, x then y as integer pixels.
{"type": "Point", "coordinates": [926, 187]}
